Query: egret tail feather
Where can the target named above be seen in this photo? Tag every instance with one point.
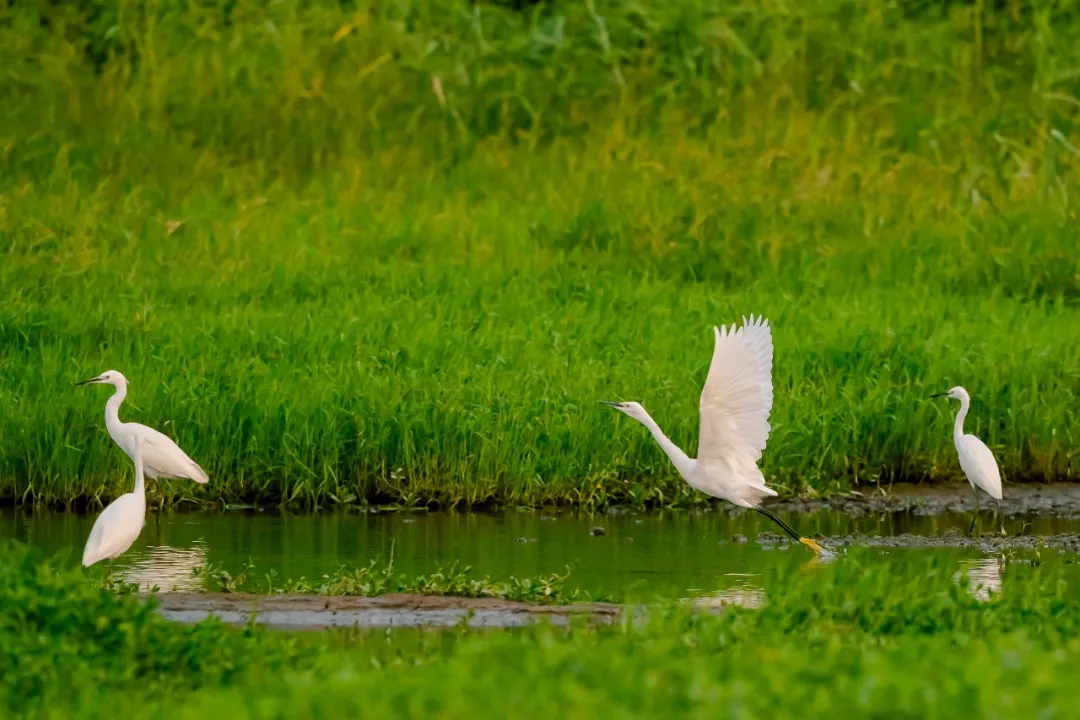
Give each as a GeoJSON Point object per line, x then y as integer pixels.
{"type": "Point", "coordinates": [198, 474]}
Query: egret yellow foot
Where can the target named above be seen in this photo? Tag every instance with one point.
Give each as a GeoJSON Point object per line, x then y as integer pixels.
{"type": "Point", "coordinates": [812, 544]}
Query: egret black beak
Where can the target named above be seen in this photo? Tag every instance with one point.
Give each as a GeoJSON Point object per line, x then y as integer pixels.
{"type": "Point", "coordinates": [611, 404]}
{"type": "Point", "coordinates": [939, 395]}
{"type": "Point", "coordinates": [85, 382]}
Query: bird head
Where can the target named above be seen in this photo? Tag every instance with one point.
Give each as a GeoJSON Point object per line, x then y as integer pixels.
{"type": "Point", "coordinates": [956, 393]}
{"type": "Point", "coordinates": [632, 409]}
{"type": "Point", "coordinates": [109, 377]}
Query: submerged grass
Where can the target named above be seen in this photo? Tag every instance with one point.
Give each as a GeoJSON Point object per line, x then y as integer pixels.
{"type": "Point", "coordinates": [395, 253]}
{"type": "Point", "coordinates": [843, 637]}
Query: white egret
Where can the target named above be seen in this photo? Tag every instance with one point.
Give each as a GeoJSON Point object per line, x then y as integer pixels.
{"type": "Point", "coordinates": [976, 460]}
{"type": "Point", "coordinates": [735, 406]}
{"type": "Point", "coordinates": [121, 522]}
{"type": "Point", "coordinates": [162, 458]}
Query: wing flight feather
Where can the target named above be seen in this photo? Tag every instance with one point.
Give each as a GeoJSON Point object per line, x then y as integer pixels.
{"type": "Point", "coordinates": [738, 393]}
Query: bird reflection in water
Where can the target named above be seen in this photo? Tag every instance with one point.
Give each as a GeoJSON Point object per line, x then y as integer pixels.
{"type": "Point", "coordinates": [744, 595]}
{"type": "Point", "coordinates": [984, 577]}
{"type": "Point", "coordinates": [166, 568]}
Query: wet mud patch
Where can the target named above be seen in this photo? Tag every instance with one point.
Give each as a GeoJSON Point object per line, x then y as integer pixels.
{"type": "Point", "coordinates": [989, 543]}
{"type": "Point", "coordinates": [1061, 500]}
{"type": "Point", "coordinates": [317, 612]}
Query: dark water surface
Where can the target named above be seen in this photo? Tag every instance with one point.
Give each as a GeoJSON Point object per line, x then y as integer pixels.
{"type": "Point", "coordinates": [671, 554]}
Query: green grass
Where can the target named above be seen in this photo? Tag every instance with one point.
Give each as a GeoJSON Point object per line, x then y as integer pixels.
{"type": "Point", "coordinates": [378, 578]}
{"type": "Point", "coordinates": [846, 637]}
{"type": "Point", "coordinates": [331, 287]}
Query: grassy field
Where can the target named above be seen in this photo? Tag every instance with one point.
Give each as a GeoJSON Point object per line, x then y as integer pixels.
{"type": "Point", "coordinates": [845, 638]}
{"type": "Point", "coordinates": [396, 252]}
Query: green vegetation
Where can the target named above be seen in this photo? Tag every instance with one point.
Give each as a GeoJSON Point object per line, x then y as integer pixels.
{"type": "Point", "coordinates": [379, 579]}
{"type": "Point", "coordinates": [395, 252]}
{"type": "Point", "coordinates": [66, 638]}
{"type": "Point", "coordinates": [844, 637]}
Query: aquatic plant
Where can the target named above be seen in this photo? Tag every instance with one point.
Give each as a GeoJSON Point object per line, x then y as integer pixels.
{"type": "Point", "coordinates": [379, 578]}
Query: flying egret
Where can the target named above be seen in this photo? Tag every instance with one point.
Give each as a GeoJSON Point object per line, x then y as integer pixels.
{"type": "Point", "coordinates": [735, 405]}
{"type": "Point", "coordinates": [121, 522]}
{"type": "Point", "coordinates": [162, 458]}
{"type": "Point", "coordinates": [976, 460]}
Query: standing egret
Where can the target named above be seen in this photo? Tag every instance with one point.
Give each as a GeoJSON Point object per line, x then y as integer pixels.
{"type": "Point", "coordinates": [162, 457]}
{"type": "Point", "coordinates": [976, 460]}
{"type": "Point", "coordinates": [735, 405]}
{"type": "Point", "coordinates": [121, 522]}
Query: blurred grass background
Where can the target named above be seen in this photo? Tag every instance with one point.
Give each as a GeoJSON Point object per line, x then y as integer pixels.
{"type": "Point", "coordinates": [394, 252]}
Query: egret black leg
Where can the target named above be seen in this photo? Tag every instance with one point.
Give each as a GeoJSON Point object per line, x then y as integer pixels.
{"type": "Point", "coordinates": [791, 532]}
{"type": "Point", "coordinates": [974, 517]}
{"type": "Point", "coordinates": [1000, 519]}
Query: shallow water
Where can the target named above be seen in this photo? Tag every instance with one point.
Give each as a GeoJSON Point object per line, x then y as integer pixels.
{"type": "Point", "coordinates": [640, 556]}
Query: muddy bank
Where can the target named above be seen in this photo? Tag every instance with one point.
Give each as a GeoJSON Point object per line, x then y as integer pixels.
{"type": "Point", "coordinates": [316, 612]}
{"type": "Point", "coordinates": [987, 542]}
{"type": "Point", "coordinates": [1062, 500]}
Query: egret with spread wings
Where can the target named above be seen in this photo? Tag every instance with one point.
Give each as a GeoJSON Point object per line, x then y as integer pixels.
{"type": "Point", "coordinates": [735, 406]}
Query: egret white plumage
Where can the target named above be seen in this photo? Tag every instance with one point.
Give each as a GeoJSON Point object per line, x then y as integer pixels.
{"type": "Point", "coordinates": [120, 523]}
{"type": "Point", "coordinates": [162, 458]}
{"type": "Point", "coordinates": [735, 405]}
{"type": "Point", "coordinates": [976, 460]}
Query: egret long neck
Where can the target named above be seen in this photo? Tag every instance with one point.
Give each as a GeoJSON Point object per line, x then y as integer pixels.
{"type": "Point", "coordinates": [112, 410]}
{"type": "Point", "coordinates": [958, 426]}
{"type": "Point", "coordinates": [679, 459]}
{"type": "Point", "coordinates": [140, 479]}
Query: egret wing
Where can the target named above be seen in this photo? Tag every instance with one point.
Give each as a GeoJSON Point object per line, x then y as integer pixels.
{"type": "Point", "coordinates": [980, 466]}
{"type": "Point", "coordinates": [737, 397]}
{"type": "Point", "coordinates": [167, 458]}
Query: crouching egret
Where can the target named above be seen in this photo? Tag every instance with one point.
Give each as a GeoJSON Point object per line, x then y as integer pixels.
{"type": "Point", "coordinates": [735, 405]}
{"type": "Point", "coordinates": [120, 523]}
{"type": "Point", "coordinates": [976, 460]}
{"type": "Point", "coordinates": [162, 458]}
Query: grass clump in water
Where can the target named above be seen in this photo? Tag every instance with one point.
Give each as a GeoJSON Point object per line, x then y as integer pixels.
{"type": "Point", "coordinates": [395, 254]}
{"type": "Point", "coordinates": [379, 579]}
